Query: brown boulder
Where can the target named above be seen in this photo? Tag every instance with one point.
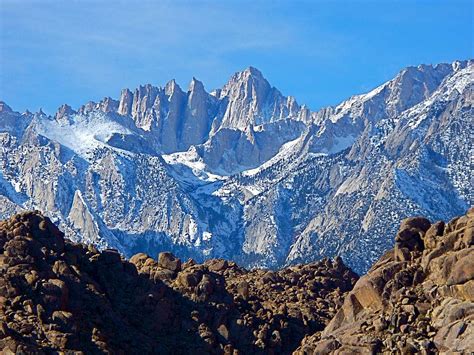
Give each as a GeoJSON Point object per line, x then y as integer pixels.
{"type": "Point", "coordinates": [139, 260]}
{"type": "Point", "coordinates": [168, 261]}
{"type": "Point", "coordinates": [243, 289]}
{"type": "Point", "coordinates": [217, 264]}
{"type": "Point", "coordinates": [433, 233]}
{"type": "Point", "coordinates": [110, 257]}
{"type": "Point", "coordinates": [163, 275]}
{"type": "Point", "coordinates": [401, 253]}
{"type": "Point", "coordinates": [189, 278]}
{"type": "Point", "coordinates": [327, 346]}
{"type": "Point", "coordinates": [463, 270]}
{"type": "Point", "coordinates": [410, 238]}
{"type": "Point", "coordinates": [206, 286]}
{"type": "Point", "coordinates": [58, 339]}
{"type": "Point", "coordinates": [419, 223]}
{"type": "Point", "coordinates": [56, 292]}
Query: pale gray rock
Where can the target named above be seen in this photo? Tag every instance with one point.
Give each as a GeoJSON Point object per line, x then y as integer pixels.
{"type": "Point", "coordinates": [252, 101]}
{"type": "Point", "coordinates": [245, 173]}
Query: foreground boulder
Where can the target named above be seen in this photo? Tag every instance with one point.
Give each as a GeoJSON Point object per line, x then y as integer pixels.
{"type": "Point", "coordinates": [55, 295]}
{"type": "Point", "coordinates": [418, 298]}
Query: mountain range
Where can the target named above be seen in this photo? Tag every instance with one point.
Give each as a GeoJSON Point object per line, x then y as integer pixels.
{"type": "Point", "coordinates": [244, 172]}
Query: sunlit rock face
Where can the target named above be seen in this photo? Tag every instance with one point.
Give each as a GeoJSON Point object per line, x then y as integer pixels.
{"type": "Point", "coordinates": [244, 172]}
{"type": "Point", "coordinates": [419, 296]}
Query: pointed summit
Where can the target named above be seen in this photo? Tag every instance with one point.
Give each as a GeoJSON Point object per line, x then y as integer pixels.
{"type": "Point", "coordinates": [252, 100]}
{"type": "Point", "coordinates": [109, 105]}
{"type": "Point", "coordinates": [246, 84]}
{"type": "Point", "coordinates": [195, 85]}
{"type": "Point", "coordinates": [250, 73]}
{"type": "Point", "coordinates": [125, 102]}
{"type": "Point", "coordinates": [171, 87]}
{"type": "Point", "coordinates": [4, 107]}
{"type": "Point", "coordinates": [253, 71]}
{"type": "Point", "coordinates": [64, 111]}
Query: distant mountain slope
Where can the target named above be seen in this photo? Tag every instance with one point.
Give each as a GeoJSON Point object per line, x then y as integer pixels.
{"type": "Point", "coordinates": [244, 172]}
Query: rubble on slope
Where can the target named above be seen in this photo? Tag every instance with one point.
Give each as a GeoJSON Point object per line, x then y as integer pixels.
{"type": "Point", "coordinates": [418, 298]}
{"type": "Point", "coordinates": [58, 296]}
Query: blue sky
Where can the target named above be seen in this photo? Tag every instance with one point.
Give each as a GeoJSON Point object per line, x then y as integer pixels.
{"type": "Point", "coordinates": [321, 52]}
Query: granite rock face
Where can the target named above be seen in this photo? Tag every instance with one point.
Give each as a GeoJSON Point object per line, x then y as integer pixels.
{"type": "Point", "coordinates": [418, 298]}
{"type": "Point", "coordinates": [244, 172]}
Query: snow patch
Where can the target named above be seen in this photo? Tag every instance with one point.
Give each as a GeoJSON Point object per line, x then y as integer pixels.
{"type": "Point", "coordinates": [284, 151]}
{"type": "Point", "coordinates": [80, 134]}
{"type": "Point", "coordinates": [341, 143]}
{"type": "Point", "coordinates": [191, 166]}
{"type": "Point", "coordinates": [206, 236]}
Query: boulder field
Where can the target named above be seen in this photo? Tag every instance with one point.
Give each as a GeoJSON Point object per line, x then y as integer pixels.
{"type": "Point", "coordinates": [418, 298]}
{"type": "Point", "coordinates": [59, 296]}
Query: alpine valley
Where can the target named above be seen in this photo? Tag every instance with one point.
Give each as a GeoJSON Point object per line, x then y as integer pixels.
{"type": "Point", "coordinates": [245, 173]}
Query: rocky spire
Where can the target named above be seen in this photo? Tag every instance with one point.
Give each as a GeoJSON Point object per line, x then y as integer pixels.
{"type": "Point", "coordinates": [195, 86]}
{"type": "Point", "coordinates": [252, 100]}
{"type": "Point", "coordinates": [197, 116]}
{"type": "Point", "coordinates": [246, 84]}
{"type": "Point", "coordinates": [88, 107]}
{"type": "Point", "coordinates": [125, 102]}
{"type": "Point", "coordinates": [197, 99]}
{"type": "Point", "coordinates": [109, 105]}
{"type": "Point", "coordinates": [172, 87]}
{"type": "Point", "coordinates": [64, 111]}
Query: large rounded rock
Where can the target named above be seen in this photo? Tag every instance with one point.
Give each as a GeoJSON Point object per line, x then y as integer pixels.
{"type": "Point", "coordinates": [169, 261]}
{"type": "Point", "coordinates": [418, 223]}
{"type": "Point", "coordinates": [189, 278]}
{"type": "Point", "coordinates": [432, 235]}
{"type": "Point", "coordinates": [217, 265]}
{"type": "Point", "coordinates": [463, 270]}
{"type": "Point", "coordinates": [410, 238]}
{"type": "Point", "coordinates": [139, 259]}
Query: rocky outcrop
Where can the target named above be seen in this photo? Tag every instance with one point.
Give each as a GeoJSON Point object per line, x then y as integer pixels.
{"type": "Point", "coordinates": [418, 298]}
{"type": "Point", "coordinates": [59, 296]}
{"type": "Point", "coordinates": [56, 295]}
{"type": "Point", "coordinates": [175, 119]}
{"type": "Point", "coordinates": [256, 311]}
{"type": "Point", "coordinates": [252, 101]}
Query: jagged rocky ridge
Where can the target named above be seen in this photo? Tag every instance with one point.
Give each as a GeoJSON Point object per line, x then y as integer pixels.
{"type": "Point", "coordinates": [60, 296]}
{"type": "Point", "coordinates": [244, 172]}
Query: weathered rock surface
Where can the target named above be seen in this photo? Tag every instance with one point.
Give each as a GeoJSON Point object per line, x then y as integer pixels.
{"type": "Point", "coordinates": [59, 296]}
{"type": "Point", "coordinates": [418, 298]}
